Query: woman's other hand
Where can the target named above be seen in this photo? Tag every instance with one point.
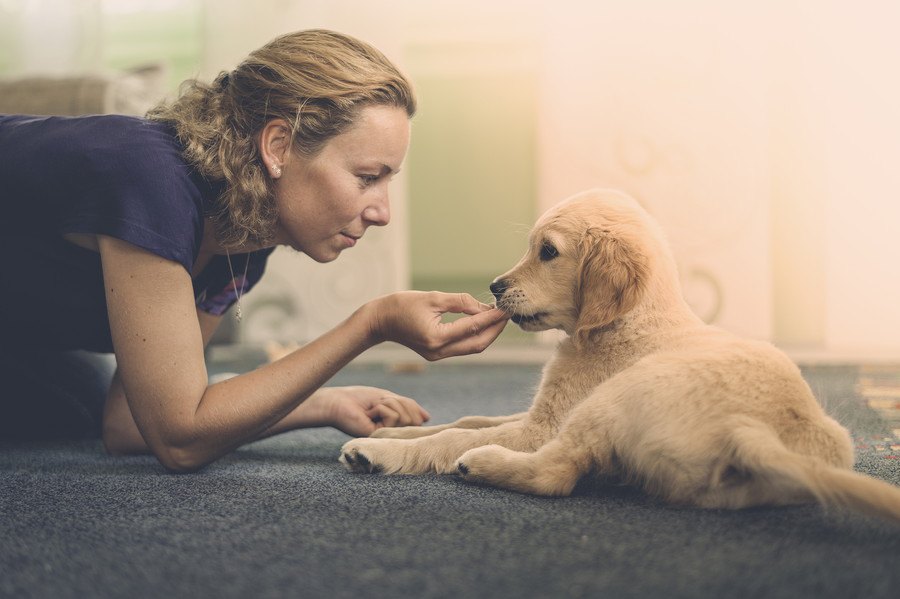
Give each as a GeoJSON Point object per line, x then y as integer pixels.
{"type": "Point", "coordinates": [359, 411]}
{"type": "Point", "coordinates": [415, 319]}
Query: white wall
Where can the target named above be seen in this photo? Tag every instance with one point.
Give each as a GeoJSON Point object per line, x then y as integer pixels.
{"type": "Point", "coordinates": [669, 104]}
{"type": "Point", "coordinates": [851, 57]}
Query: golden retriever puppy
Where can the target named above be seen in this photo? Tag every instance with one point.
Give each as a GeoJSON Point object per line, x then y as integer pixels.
{"type": "Point", "coordinates": [640, 389]}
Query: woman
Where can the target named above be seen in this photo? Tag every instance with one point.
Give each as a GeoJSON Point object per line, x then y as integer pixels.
{"type": "Point", "coordinates": [135, 235]}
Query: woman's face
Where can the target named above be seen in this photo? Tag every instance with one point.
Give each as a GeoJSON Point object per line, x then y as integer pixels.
{"type": "Point", "coordinates": [325, 203]}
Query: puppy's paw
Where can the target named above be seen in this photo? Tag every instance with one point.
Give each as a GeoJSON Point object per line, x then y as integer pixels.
{"type": "Point", "coordinates": [354, 458]}
{"type": "Point", "coordinates": [482, 464]}
{"type": "Point", "coordinates": [356, 461]}
{"type": "Point", "coordinates": [375, 456]}
{"type": "Point", "coordinates": [517, 471]}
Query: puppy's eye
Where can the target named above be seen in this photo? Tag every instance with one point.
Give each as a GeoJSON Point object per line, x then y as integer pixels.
{"type": "Point", "coordinates": [548, 252]}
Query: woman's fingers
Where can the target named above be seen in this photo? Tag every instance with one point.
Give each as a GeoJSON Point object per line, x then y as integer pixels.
{"type": "Point", "coordinates": [473, 344]}
{"type": "Point", "coordinates": [383, 415]}
{"type": "Point", "coordinates": [405, 416]}
{"type": "Point", "coordinates": [396, 410]}
{"type": "Point", "coordinates": [417, 414]}
{"type": "Point", "coordinates": [460, 302]}
{"type": "Point", "coordinates": [475, 325]}
{"type": "Point", "coordinates": [414, 319]}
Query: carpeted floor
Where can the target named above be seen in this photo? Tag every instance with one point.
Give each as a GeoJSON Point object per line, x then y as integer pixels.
{"type": "Point", "coordinates": [281, 518]}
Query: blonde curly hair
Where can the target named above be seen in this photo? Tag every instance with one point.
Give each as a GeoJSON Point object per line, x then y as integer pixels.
{"type": "Point", "coordinates": [317, 80]}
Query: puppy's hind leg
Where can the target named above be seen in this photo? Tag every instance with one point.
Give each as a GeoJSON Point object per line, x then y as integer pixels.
{"type": "Point", "coordinates": [582, 445]}
{"type": "Point", "coordinates": [554, 469]}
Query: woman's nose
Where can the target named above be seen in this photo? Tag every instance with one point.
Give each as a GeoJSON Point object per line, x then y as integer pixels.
{"type": "Point", "coordinates": [379, 213]}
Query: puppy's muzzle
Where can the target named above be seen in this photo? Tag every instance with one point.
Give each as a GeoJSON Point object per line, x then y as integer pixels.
{"type": "Point", "coordinates": [498, 288]}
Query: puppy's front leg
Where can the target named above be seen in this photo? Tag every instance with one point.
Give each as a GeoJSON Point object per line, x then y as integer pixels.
{"type": "Point", "coordinates": [435, 453]}
{"type": "Point", "coordinates": [414, 432]}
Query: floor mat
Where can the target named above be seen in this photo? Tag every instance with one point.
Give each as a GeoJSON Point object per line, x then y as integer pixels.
{"type": "Point", "coordinates": [281, 518]}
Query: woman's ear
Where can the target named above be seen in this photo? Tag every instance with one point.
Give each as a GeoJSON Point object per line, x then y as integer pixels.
{"type": "Point", "coordinates": [612, 278]}
{"type": "Point", "coordinates": [275, 146]}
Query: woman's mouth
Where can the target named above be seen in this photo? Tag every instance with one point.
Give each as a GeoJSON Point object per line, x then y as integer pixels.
{"type": "Point", "coordinates": [350, 239]}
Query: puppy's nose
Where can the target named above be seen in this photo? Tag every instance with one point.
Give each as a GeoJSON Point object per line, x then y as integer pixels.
{"type": "Point", "coordinates": [498, 287]}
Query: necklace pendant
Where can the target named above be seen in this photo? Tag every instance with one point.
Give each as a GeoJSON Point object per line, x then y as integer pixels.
{"type": "Point", "coordinates": [238, 292]}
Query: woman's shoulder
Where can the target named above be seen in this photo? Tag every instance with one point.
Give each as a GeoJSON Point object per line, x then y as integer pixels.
{"type": "Point", "coordinates": [120, 176]}
{"type": "Point", "coordinates": [97, 127]}
{"type": "Point", "coordinates": [94, 145]}
{"type": "Point", "coordinates": [124, 139]}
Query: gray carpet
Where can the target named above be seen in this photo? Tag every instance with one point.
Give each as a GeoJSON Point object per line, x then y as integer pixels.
{"type": "Point", "coordinates": [281, 518]}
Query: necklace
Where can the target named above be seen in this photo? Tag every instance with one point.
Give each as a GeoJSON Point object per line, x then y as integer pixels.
{"type": "Point", "coordinates": [238, 313]}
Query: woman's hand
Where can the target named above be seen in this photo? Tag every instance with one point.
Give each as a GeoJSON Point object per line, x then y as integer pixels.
{"type": "Point", "coordinates": [414, 319]}
{"type": "Point", "coordinates": [359, 411]}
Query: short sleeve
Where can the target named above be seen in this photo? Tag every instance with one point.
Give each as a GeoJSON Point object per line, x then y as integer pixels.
{"type": "Point", "coordinates": [113, 175]}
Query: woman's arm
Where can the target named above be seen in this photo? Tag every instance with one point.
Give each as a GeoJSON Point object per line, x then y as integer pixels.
{"type": "Point", "coordinates": [159, 347]}
{"type": "Point", "coordinates": [357, 410]}
{"type": "Point", "coordinates": [120, 433]}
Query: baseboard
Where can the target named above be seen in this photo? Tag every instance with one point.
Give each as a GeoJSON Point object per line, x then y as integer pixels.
{"type": "Point", "coordinates": [394, 355]}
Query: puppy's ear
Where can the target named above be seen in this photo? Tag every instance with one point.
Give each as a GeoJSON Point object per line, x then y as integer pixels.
{"type": "Point", "coordinates": [612, 278]}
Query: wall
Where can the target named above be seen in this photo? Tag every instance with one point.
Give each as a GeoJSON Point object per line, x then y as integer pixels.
{"type": "Point", "coordinates": [471, 174]}
{"type": "Point", "coordinates": [668, 105]}
{"type": "Point", "coordinates": [851, 94]}
{"type": "Point", "coordinates": [763, 135]}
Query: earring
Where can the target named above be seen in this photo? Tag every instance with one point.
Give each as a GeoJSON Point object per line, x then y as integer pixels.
{"type": "Point", "coordinates": [276, 170]}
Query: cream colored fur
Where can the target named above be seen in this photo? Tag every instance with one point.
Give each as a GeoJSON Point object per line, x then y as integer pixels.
{"type": "Point", "coordinates": [640, 389]}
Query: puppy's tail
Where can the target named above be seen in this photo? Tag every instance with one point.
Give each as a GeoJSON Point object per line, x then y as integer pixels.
{"type": "Point", "coordinates": [759, 451]}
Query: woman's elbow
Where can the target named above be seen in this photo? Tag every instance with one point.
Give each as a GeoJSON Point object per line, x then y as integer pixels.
{"type": "Point", "coordinates": [174, 457]}
{"type": "Point", "coordinates": [118, 440]}
{"type": "Point", "coordinates": [180, 460]}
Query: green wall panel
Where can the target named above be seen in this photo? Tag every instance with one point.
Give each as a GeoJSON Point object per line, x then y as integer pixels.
{"type": "Point", "coordinates": [471, 175]}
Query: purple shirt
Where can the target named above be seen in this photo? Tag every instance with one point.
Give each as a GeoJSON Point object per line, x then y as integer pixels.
{"type": "Point", "coordinates": [120, 176]}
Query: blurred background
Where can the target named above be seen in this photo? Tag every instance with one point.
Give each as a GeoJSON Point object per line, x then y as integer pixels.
{"type": "Point", "coordinates": [764, 136]}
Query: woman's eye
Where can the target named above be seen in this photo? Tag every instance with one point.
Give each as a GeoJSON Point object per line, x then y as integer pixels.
{"type": "Point", "coordinates": [548, 252]}
{"type": "Point", "coordinates": [366, 180]}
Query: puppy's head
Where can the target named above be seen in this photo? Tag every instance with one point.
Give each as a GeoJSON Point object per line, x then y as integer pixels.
{"type": "Point", "coordinates": [587, 265]}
